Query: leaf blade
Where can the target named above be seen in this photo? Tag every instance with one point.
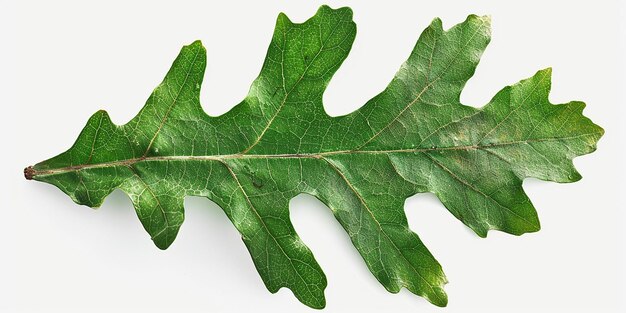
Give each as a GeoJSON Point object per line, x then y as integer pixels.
{"type": "Point", "coordinates": [413, 137]}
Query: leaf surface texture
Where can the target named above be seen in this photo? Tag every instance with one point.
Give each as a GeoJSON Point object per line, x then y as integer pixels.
{"type": "Point", "coordinates": [413, 137]}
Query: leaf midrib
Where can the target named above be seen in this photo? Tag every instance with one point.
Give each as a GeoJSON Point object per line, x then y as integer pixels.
{"type": "Point", "coordinates": [221, 157]}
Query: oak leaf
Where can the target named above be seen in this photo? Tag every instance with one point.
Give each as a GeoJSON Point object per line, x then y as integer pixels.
{"type": "Point", "coordinates": [413, 137]}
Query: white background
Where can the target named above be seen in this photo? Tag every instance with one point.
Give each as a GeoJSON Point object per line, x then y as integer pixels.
{"type": "Point", "coordinates": [60, 61]}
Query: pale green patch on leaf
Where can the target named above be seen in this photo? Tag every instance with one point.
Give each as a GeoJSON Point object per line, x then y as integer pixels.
{"type": "Point", "coordinates": [413, 137]}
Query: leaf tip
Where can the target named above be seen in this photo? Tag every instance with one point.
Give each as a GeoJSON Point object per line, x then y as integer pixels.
{"type": "Point", "coordinates": [441, 300]}
{"type": "Point", "coordinates": [601, 131]}
{"type": "Point", "coordinates": [283, 19]}
{"type": "Point", "coordinates": [325, 9]}
{"type": "Point", "coordinates": [162, 242]}
{"type": "Point", "coordinates": [161, 245]}
{"type": "Point", "coordinates": [482, 23]}
{"type": "Point", "coordinates": [537, 227]}
{"type": "Point", "coordinates": [436, 24]}
{"type": "Point", "coordinates": [314, 301]}
{"type": "Point", "coordinates": [196, 44]}
{"type": "Point", "coordinates": [547, 72]}
{"type": "Point", "coordinates": [482, 233]}
{"type": "Point", "coordinates": [575, 176]}
{"type": "Point", "coordinates": [478, 18]}
{"type": "Point", "coordinates": [318, 305]}
{"type": "Point", "coordinates": [101, 114]}
{"type": "Point", "coordinates": [531, 226]}
{"type": "Point", "coordinates": [437, 295]}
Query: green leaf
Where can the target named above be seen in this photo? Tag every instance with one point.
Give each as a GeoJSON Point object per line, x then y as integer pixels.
{"type": "Point", "coordinates": [413, 137]}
